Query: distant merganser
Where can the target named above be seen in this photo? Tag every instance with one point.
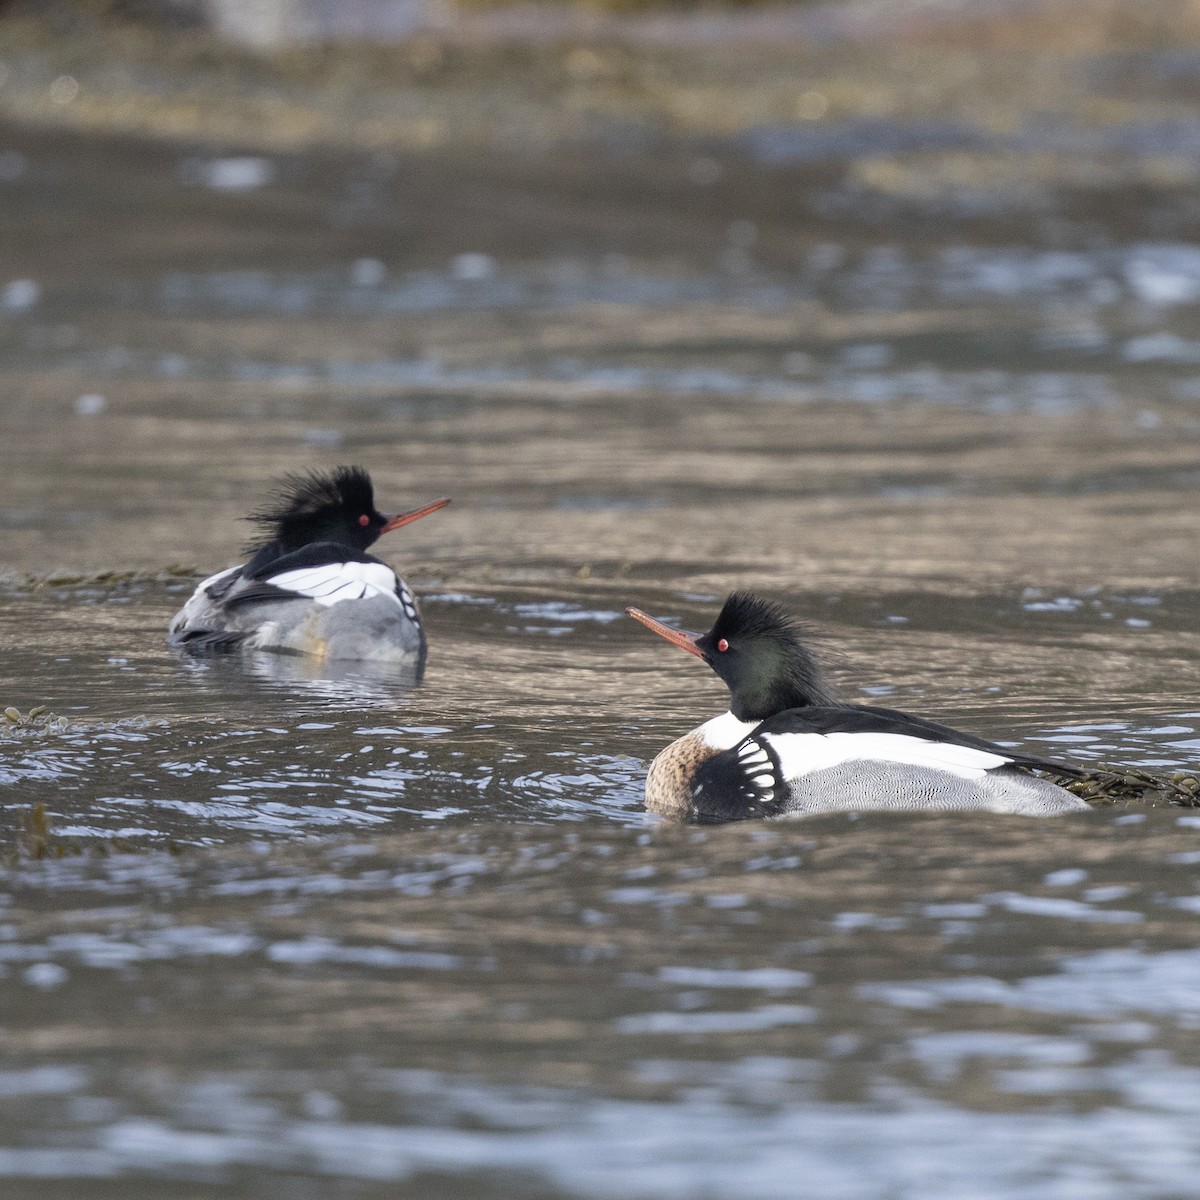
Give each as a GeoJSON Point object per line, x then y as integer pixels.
{"type": "Point", "coordinates": [788, 745]}
{"type": "Point", "coordinates": [310, 587]}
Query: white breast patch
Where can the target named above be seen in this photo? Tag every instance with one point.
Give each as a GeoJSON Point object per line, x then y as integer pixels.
{"type": "Point", "coordinates": [332, 583]}
{"type": "Point", "coordinates": [724, 732]}
{"type": "Point", "coordinates": [803, 753]}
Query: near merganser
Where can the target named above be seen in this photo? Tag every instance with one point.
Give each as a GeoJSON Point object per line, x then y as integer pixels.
{"type": "Point", "coordinates": [311, 587]}
{"type": "Point", "coordinates": [787, 745]}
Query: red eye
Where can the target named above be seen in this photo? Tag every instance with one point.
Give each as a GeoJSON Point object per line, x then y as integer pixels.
{"type": "Point", "coordinates": [722, 645]}
{"type": "Point", "coordinates": [364, 520]}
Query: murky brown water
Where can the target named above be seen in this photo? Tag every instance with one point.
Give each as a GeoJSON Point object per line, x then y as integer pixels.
{"type": "Point", "coordinates": [332, 936]}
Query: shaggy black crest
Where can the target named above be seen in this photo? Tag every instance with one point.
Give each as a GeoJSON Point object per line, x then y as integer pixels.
{"type": "Point", "coordinates": [747, 616]}
{"type": "Point", "coordinates": [303, 504]}
{"type": "Point", "coordinates": [766, 665]}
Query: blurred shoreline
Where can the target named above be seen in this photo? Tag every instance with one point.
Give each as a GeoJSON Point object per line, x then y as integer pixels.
{"type": "Point", "coordinates": [1072, 93]}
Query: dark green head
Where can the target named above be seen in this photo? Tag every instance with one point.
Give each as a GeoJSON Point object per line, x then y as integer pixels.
{"type": "Point", "coordinates": [335, 507]}
{"type": "Point", "coordinates": [757, 649]}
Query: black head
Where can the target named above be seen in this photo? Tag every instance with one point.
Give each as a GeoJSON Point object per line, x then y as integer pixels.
{"type": "Point", "coordinates": [335, 507]}
{"type": "Point", "coordinates": [757, 649]}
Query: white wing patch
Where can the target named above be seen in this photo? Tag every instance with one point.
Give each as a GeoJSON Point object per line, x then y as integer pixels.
{"type": "Point", "coordinates": [803, 753]}
{"type": "Point", "coordinates": [332, 583]}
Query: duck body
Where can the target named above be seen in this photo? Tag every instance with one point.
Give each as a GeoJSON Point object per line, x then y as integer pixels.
{"type": "Point", "coordinates": [338, 608]}
{"type": "Point", "coordinates": [312, 589]}
{"type": "Point", "coordinates": [815, 760]}
{"type": "Point", "coordinates": [818, 755]}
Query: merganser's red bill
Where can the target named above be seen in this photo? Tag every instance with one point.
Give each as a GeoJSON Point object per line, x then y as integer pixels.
{"type": "Point", "coordinates": [677, 637]}
{"type": "Point", "coordinates": [407, 518]}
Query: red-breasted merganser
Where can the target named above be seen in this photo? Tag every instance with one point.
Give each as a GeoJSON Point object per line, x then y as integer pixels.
{"type": "Point", "coordinates": [787, 745]}
{"type": "Point", "coordinates": [310, 586]}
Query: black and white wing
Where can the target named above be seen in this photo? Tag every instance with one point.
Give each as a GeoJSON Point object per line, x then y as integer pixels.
{"type": "Point", "coordinates": [325, 573]}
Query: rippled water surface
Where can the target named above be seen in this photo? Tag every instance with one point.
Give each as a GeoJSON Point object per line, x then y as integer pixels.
{"type": "Point", "coordinates": [300, 933]}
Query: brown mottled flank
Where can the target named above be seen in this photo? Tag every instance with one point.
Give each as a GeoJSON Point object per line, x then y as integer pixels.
{"type": "Point", "coordinates": [669, 780]}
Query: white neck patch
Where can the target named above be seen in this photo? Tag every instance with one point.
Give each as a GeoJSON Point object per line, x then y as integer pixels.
{"type": "Point", "coordinates": [724, 731]}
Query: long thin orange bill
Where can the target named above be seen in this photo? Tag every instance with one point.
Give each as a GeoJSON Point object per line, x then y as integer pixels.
{"type": "Point", "coordinates": [677, 637]}
{"type": "Point", "coordinates": [407, 518]}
